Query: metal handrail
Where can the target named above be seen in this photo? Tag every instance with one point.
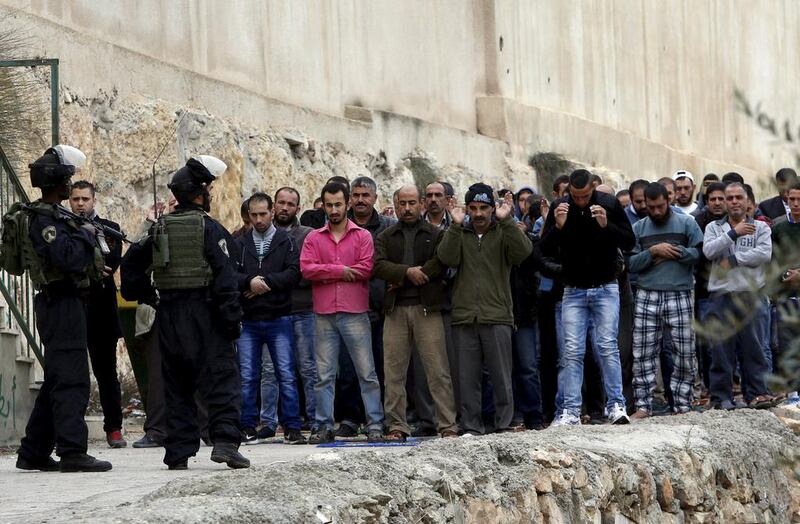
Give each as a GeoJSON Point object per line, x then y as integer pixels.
{"type": "Point", "coordinates": [18, 291]}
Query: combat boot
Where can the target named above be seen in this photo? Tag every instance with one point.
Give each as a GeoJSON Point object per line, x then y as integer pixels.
{"type": "Point", "coordinates": [82, 462]}
{"type": "Point", "coordinates": [228, 453]}
{"type": "Point", "coordinates": [47, 464]}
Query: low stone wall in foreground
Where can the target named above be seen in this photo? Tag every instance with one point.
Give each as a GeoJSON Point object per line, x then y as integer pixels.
{"type": "Point", "coordinates": [712, 467]}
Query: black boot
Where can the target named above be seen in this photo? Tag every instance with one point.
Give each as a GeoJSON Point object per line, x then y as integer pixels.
{"type": "Point", "coordinates": [82, 462]}
{"type": "Point", "coordinates": [228, 453]}
{"type": "Point", "coordinates": [47, 464]}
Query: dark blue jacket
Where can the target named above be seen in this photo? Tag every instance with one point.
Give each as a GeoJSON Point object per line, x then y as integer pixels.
{"type": "Point", "coordinates": [280, 268]}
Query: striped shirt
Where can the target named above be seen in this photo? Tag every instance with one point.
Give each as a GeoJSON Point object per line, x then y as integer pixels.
{"type": "Point", "coordinates": [263, 240]}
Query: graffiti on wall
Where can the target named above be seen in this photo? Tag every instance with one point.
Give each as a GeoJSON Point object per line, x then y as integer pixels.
{"type": "Point", "coordinates": [783, 130]}
{"type": "Point", "coordinates": [8, 402]}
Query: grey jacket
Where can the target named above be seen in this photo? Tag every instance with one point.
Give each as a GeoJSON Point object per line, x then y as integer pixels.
{"type": "Point", "coordinates": [748, 256]}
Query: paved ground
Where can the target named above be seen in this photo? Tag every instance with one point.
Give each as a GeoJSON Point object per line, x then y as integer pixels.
{"type": "Point", "coordinates": [41, 497]}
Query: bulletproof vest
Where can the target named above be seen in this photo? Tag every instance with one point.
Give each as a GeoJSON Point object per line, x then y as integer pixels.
{"type": "Point", "coordinates": [18, 254]}
{"type": "Point", "coordinates": [178, 259]}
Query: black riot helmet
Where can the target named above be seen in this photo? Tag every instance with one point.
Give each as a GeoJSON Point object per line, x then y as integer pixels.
{"type": "Point", "coordinates": [193, 179]}
{"type": "Point", "coordinates": [56, 166]}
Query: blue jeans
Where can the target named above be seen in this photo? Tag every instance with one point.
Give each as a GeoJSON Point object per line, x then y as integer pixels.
{"type": "Point", "coordinates": [580, 307]}
{"type": "Point", "coordinates": [277, 335]}
{"type": "Point", "coordinates": [352, 330]}
{"type": "Point", "coordinates": [303, 325]}
{"type": "Point", "coordinates": [527, 385]}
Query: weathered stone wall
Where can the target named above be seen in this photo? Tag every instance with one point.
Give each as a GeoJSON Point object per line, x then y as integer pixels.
{"type": "Point", "coordinates": [712, 467]}
{"type": "Point", "coordinates": [641, 88]}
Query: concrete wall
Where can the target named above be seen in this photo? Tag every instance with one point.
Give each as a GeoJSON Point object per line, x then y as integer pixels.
{"type": "Point", "coordinates": [659, 73]}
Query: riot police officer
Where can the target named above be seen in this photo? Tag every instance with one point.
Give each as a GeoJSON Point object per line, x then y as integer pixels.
{"type": "Point", "coordinates": [198, 315]}
{"type": "Point", "coordinates": [60, 256]}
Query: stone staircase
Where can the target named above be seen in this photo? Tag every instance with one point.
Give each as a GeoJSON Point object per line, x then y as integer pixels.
{"type": "Point", "coordinates": [21, 377]}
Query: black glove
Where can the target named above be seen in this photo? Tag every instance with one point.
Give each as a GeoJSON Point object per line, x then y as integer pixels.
{"type": "Point", "coordinates": [231, 330]}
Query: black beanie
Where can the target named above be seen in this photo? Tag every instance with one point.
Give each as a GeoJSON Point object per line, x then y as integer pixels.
{"type": "Point", "coordinates": [480, 192]}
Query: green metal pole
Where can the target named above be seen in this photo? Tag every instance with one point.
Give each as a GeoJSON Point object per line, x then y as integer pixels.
{"type": "Point", "coordinates": [54, 120]}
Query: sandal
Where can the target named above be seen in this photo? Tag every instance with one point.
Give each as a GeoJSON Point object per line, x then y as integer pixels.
{"type": "Point", "coordinates": [764, 402]}
{"type": "Point", "coordinates": [395, 436]}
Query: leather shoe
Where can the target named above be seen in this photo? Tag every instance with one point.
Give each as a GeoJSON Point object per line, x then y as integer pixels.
{"type": "Point", "coordinates": [179, 466]}
{"type": "Point", "coordinates": [228, 453]}
{"type": "Point", "coordinates": [83, 462]}
{"type": "Point", "coordinates": [47, 464]}
{"type": "Point", "coordinates": [147, 442]}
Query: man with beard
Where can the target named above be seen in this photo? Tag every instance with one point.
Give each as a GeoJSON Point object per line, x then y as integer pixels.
{"type": "Point", "coordinates": [287, 204]}
{"type": "Point", "coordinates": [363, 195]}
{"type": "Point", "coordinates": [664, 256]}
{"type": "Point", "coordinates": [684, 191]}
{"type": "Point", "coordinates": [779, 205]}
{"type": "Point", "coordinates": [637, 209]}
{"type": "Point", "coordinates": [337, 259]}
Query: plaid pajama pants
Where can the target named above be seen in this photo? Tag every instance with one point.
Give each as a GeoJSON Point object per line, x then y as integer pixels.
{"type": "Point", "coordinates": [654, 312]}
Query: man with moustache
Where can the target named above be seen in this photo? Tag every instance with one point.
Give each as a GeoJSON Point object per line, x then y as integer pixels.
{"type": "Point", "coordinates": [405, 259]}
{"type": "Point", "coordinates": [436, 206]}
{"type": "Point", "coordinates": [484, 251]}
{"type": "Point", "coordinates": [664, 256]}
{"type": "Point", "coordinates": [684, 191]}
{"type": "Point", "coordinates": [337, 259]}
{"type": "Point", "coordinates": [287, 204]}
{"type": "Point", "coordinates": [637, 209]}
{"type": "Point", "coordinates": [740, 250]}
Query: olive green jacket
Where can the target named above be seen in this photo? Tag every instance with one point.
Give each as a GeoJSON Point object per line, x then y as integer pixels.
{"type": "Point", "coordinates": [482, 289]}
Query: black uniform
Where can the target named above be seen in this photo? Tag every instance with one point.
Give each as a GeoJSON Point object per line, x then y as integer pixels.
{"type": "Point", "coordinates": [196, 329]}
{"type": "Point", "coordinates": [58, 414]}
{"type": "Point", "coordinates": [104, 330]}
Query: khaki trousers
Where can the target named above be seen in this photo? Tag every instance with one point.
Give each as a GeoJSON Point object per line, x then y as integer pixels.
{"type": "Point", "coordinates": [405, 328]}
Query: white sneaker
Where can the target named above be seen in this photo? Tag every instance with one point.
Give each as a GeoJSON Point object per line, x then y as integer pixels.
{"type": "Point", "coordinates": [618, 415]}
{"type": "Point", "coordinates": [566, 419]}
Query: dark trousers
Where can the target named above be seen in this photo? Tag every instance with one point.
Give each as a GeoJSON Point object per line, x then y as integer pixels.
{"type": "Point", "coordinates": [155, 424]}
{"type": "Point", "coordinates": [735, 320]}
{"type": "Point", "coordinates": [196, 358]}
{"type": "Point", "coordinates": [625, 340]}
{"type": "Point", "coordinates": [525, 375]}
{"type": "Point", "coordinates": [788, 313]}
{"type": "Point", "coordinates": [488, 344]}
{"type": "Point", "coordinates": [103, 354]}
{"type": "Point", "coordinates": [548, 361]}
{"type": "Point", "coordinates": [58, 414]}
{"type": "Point", "coordinates": [348, 406]}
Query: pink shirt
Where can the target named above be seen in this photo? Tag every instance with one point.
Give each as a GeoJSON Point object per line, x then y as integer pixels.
{"type": "Point", "coordinates": [322, 262]}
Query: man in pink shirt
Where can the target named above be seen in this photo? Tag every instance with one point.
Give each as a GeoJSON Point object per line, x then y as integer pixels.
{"type": "Point", "coordinates": [337, 260]}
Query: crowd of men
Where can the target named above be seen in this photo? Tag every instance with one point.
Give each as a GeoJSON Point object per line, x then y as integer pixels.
{"type": "Point", "coordinates": [437, 315]}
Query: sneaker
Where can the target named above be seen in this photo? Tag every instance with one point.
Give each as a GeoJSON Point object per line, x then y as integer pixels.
{"type": "Point", "coordinates": [293, 436]}
{"type": "Point", "coordinates": [640, 414]}
{"type": "Point", "coordinates": [82, 462]}
{"type": "Point", "coordinates": [147, 442]}
{"type": "Point", "coordinates": [264, 434]}
{"type": "Point", "coordinates": [375, 435]}
{"type": "Point", "coordinates": [115, 440]}
{"type": "Point", "coordinates": [346, 431]}
{"type": "Point", "coordinates": [566, 419]}
{"type": "Point", "coordinates": [228, 453]}
{"type": "Point", "coordinates": [47, 464]}
{"type": "Point", "coordinates": [617, 415]}
{"type": "Point", "coordinates": [725, 405]}
{"type": "Point", "coordinates": [249, 436]}
{"type": "Point", "coordinates": [321, 436]}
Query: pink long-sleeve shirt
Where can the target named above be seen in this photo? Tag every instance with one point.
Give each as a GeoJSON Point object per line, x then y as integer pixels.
{"type": "Point", "coordinates": [322, 262]}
